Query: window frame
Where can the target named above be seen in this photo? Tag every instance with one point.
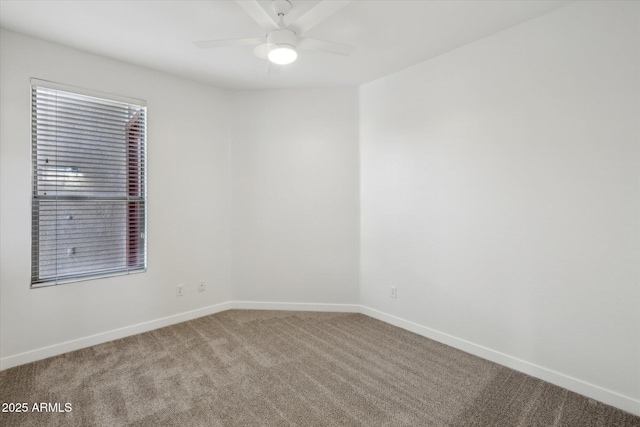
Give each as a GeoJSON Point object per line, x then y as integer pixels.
{"type": "Point", "coordinates": [142, 186]}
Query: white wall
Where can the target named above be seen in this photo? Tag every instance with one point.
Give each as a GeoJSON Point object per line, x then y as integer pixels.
{"type": "Point", "coordinates": [294, 192]}
{"type": "Point", "coordinates": [188, 200]}
{"type": "Point", "coordinates": [500, 194]}
{"type": "Point", "coordinates": [294, 209]}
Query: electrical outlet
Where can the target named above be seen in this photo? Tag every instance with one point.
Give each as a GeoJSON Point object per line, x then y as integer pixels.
{"type": "Point", "coordinates": [201, 286]}
{"type": "Point", "coordinates": [394, 292]}
{"type": "Point", "coordinates": [180, 291]}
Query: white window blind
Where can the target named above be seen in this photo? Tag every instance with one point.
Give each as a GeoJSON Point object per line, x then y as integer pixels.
{"type": "Point", "coordinates": [89, 185]}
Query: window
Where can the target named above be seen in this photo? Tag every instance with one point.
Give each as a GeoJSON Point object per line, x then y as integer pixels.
{"type": "Point", "coordinates": [89, 185]}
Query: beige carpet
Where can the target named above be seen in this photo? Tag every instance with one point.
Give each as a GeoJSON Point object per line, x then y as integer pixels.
{"type": "Point", "coordinates": [273, 368]}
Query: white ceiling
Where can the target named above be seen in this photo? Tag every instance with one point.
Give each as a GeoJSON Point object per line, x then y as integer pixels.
{"type": "Point", "coordinates": [388, 35]}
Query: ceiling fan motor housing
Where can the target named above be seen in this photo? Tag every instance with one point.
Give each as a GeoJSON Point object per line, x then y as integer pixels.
{"type": "Point", "coordinates": [282, 37]}
{"type": "Point", "coordinates": [281, 7]}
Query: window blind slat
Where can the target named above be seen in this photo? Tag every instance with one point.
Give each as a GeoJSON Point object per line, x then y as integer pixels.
{"type": "Point", "coordinates": [51, 106]}
{"type": "Point", "coordinates": [57, 98]}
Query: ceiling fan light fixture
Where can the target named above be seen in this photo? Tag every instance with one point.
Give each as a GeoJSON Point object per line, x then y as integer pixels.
{"type": "Point", "coordinates": [283, 44]}
{"type": "Point", "coordinates": [283, 54]}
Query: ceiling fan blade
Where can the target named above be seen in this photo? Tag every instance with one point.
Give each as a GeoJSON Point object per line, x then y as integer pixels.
{"type": "Point", "coordinates": [313, 44]}
{"type": "Point", "coordinates": [317, 14]}
{"type": "Point", "coordinates": [254, 10]}
{"type": "Point", "coordinates": [207, 44]}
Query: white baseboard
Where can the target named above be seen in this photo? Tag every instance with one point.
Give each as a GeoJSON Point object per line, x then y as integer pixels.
{"type": "Point", "coordinates": [84, 342]}
{"type": "Point", "coordinates": [77, 344]}
{"type": "Point", "coordinates": [592, 391]}
{"type": "Point", "coordinates": [601, 394]}
{"type": "Point", "coordinates": [296, 306]}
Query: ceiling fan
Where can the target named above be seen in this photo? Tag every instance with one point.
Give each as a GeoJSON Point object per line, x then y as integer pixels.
{"type": "Point", "coordinates": [281, 43]}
